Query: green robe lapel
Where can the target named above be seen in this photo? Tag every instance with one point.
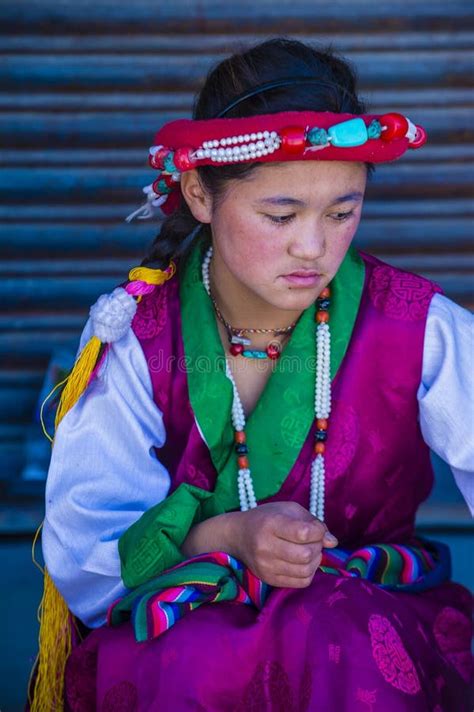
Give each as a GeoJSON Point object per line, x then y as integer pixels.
{"type": "Point", "coordinates": [279, 425]}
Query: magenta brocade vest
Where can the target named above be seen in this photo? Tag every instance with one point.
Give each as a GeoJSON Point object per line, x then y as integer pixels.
{"type": "Point", "coordinates": [378, 467]}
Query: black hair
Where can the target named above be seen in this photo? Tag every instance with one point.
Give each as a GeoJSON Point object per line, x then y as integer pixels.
{"type": "Point", "coordinates": [269, 61]}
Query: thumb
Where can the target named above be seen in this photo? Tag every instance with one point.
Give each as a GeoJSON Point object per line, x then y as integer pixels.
{"type": "Point", "coordinates": [329, 540]}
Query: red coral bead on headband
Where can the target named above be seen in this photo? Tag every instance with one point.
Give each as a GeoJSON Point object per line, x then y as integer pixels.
{"type": "Point", "coordinates": [393, 126]}
{"type": "Point", "coordinates": [293, 139]}
{"type": "Point", "coordinates": [183, 159]}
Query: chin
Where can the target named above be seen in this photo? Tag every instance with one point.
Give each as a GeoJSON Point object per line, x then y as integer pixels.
{"type": "Point", "coordinates": [296, 300]}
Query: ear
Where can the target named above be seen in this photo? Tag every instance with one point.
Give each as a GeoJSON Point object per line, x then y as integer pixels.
{"type": "Point", "coordinates": [198, 199]}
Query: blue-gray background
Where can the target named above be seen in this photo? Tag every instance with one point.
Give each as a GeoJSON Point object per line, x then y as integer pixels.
{"type": "Point", "coordinates": [83, 86]}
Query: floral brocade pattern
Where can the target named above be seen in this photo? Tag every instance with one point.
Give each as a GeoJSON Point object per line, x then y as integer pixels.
{"type": "Point", "coordinates": [400, 295]}
{"type": "Point", "coordinates": [197, 478]}
{"type": "Point", "coordinates": [151, 316]}
{"type": "Point", "coordinates": [363, 654]}
{"type": "Point", "coordinates": [344, 439]}
{"type": "Point", "coordinates": [270, 688]}
{"type": "Point", "coordinates": [452, 634]}
{"type": "Point", "coordinates": [122, 697]}
{"type": "Point", "coordinates": [79, 671]}
{"type": "Point", "coordinates": [391, 657]}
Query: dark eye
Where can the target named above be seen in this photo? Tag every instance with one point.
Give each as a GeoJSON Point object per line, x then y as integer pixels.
{"type": "Point", "coordinates": [340, 217]}
{"type": "Point", "coordinates": [281, 219]}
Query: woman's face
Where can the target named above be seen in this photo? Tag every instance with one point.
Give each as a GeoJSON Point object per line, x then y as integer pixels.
{"type": "Point", "coordinates": [280, 235]}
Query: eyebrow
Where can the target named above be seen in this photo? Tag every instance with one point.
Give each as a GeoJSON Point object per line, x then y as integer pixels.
{"type": "Point", "coordinates": [284, 200]}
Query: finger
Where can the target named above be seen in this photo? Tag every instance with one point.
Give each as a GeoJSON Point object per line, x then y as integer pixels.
{"type": "Point", "coordinates": [299, 554]}
{"type": "Point", "coordinates": [329, 540]}
{"type": "Point", "coordinates": [297, 571]}
{"type": "Point", "coordinates": [301, 532]}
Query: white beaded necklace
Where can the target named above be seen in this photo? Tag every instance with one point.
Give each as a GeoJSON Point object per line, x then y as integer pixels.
{"type": "Point", "coordinates": [322, 409]}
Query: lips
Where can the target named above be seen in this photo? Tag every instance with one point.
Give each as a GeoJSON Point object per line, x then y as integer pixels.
{"type": "Point", "coordinates": [303, 278]}
{"type": "Point", "coordinates": [303, 273]}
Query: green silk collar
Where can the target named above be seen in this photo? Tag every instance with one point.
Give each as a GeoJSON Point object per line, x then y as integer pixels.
{"type": "Point", "coordinates": [279, 424]}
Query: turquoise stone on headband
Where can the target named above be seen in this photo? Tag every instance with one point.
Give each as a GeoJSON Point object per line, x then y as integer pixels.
{"type": "Point", "coordinates": [317, 137]}
{"type": "Point", "coordinates": [348, 133]}
{"type": "Point", "coordinates": [168, 163]}
{"type": "Point", "coordinates": [374, 129]}
{"type": "Point", "coordinates": [163, 189]}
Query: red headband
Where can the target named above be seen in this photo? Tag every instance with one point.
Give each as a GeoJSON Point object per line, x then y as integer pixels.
{"type": "Point", "coordinates": [287, 136]}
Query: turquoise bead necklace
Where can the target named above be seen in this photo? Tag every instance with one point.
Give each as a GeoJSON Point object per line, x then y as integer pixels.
{"type": "Point", "coordinates": [240, 343]}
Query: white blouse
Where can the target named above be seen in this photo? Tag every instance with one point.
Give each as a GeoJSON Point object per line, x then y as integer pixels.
{"type": "Point", "coordinates": [104, 473]}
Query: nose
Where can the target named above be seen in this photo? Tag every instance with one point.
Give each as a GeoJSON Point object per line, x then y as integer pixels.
{"type": "Point", "coordinates": [308, 243]}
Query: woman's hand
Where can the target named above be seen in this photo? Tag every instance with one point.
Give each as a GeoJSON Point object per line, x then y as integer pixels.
{"type": "Point", "coordinates": [281, 542]}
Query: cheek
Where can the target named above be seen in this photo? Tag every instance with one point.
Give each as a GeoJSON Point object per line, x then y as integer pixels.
{"type": "Point", "coordinates": [248, 240]}
{"type": "Point", "coordinates": [345, 235]}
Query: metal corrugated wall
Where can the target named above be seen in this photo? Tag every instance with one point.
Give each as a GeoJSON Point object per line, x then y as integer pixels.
{"type": "Point", "coordinates": [85, 84]}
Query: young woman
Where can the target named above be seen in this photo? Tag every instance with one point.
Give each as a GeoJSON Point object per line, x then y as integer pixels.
{"type": "Point", "coordinates": [265, 391]}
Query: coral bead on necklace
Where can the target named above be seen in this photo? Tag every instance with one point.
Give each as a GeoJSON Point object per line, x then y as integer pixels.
{"type": "Point", "coordinates": [322, 407]}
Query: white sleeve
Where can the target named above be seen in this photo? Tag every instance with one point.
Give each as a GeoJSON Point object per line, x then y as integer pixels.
{"type": "Point", "coordinates": [103, 476]}
{"type": "Point", "coordinates": [446, 392]}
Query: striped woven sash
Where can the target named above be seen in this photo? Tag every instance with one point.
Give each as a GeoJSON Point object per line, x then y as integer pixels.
{"type": "Point", "coordinates": [158, 604]}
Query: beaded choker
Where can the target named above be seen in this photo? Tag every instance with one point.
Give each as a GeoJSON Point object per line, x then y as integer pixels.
{"type": "Point", "coordinates": [322, 409]}
{"type": "Point", "coordinates": [239, 343]}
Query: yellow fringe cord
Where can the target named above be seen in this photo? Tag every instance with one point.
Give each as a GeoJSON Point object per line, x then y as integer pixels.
{"type": "Point", "coordinates": [78, 378]}
{"type": "Point", "coordinates": [43, 426]}
{"type": "Point", "coordinates": [55, 636]}
{"type": "Point", "coordinates": [33, 551]}
{"type": "Point", "coordinates": [55, 645]}
{"type": "Point", "coordinates": [38, 614]}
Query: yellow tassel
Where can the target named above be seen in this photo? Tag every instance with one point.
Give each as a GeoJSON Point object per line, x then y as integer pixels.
{"type": "Point", "coordinates": [55, 637]}
{"type": "Point", "coordinates": [151, 276]}
{"type": "Point", "coordinates": [55, 644]}
{"type": "Point", "coordinates": [78, 378]}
